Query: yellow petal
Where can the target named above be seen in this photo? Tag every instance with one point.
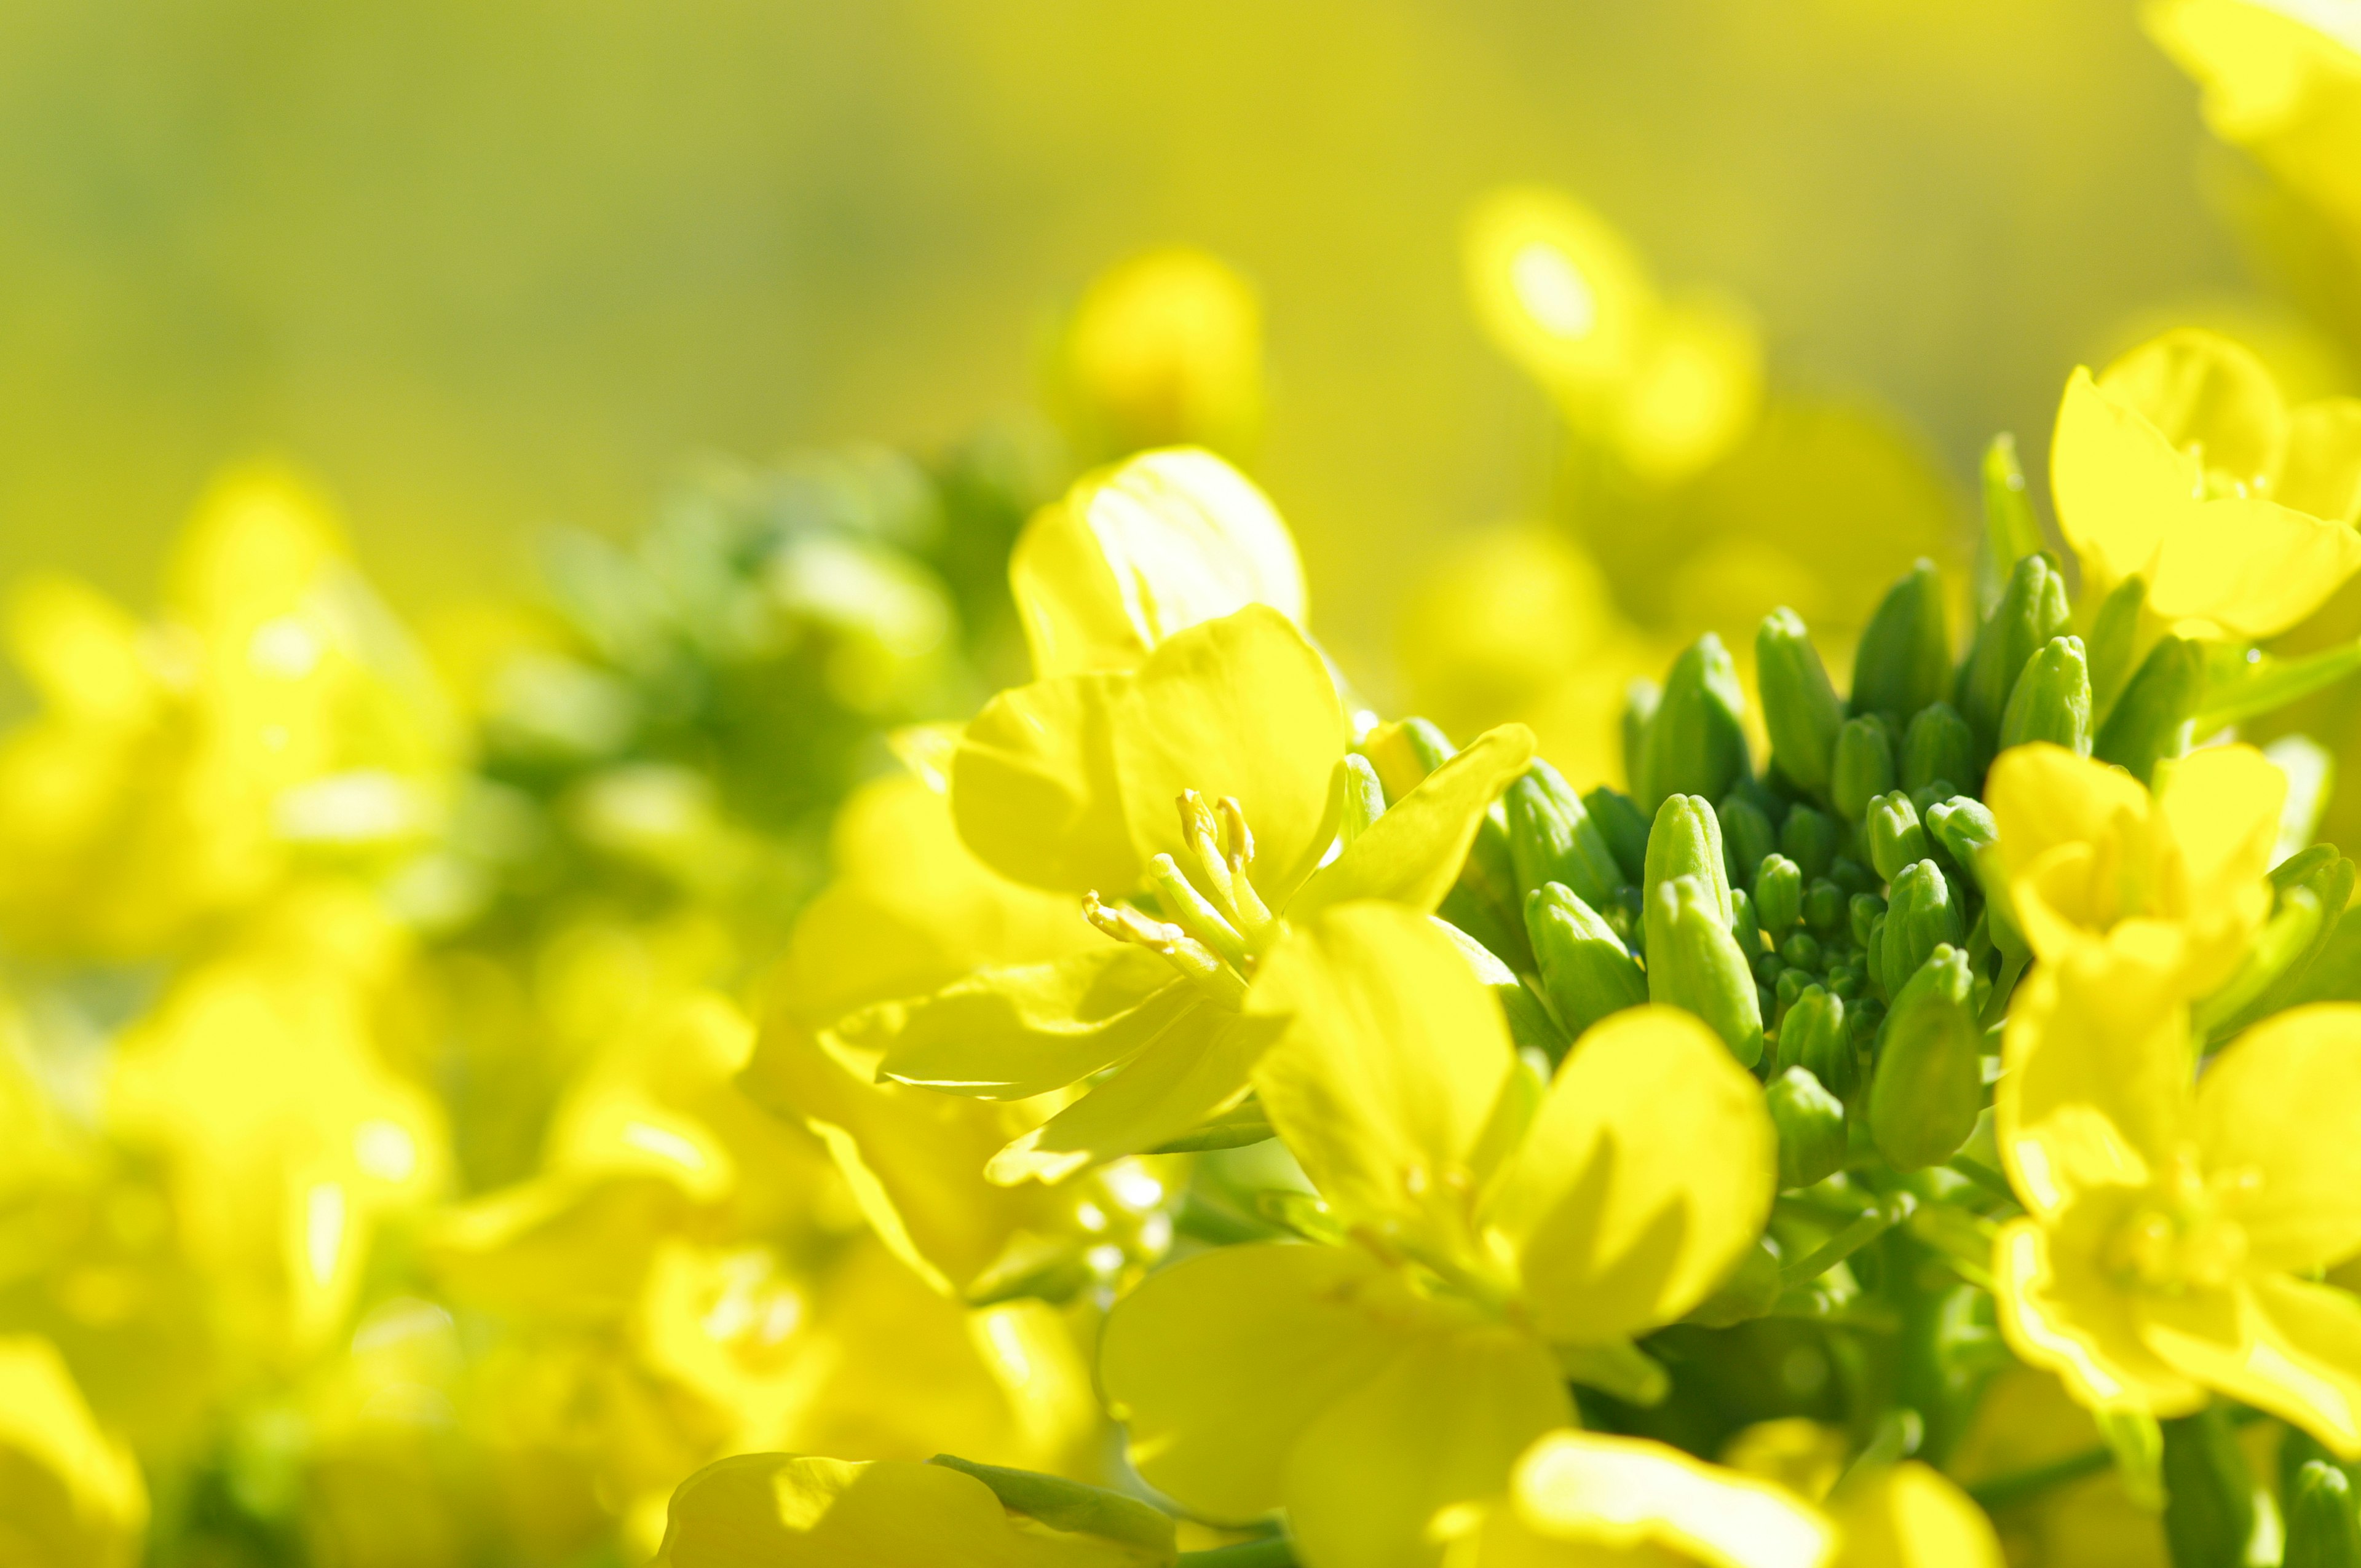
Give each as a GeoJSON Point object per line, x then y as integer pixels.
{"type": "Point", "coordinates": [2222, 807]}
{"type": "Point", "coordinates": [2206, 395]}
{"type": "Point", "coordinates": [1010, 1034]}
{"type": "Point", "coordinates": [1141, 550]}
{"type": "Point", "coordinates": [2095, 1087]}
{"type": "Point", "coordinates": [1581, 1499]}
{"type": "Point", "coordinates": [1647, 1174]}
{"type": "Point", "coordinates": [785, 1510]}
{"type": "Point", "coordinates": [1033, 790]}
{"type": "Point", "coordinates": [68, 1494]}
{"type": "Point", "coordinates": [1391, 1061]}
{"type": "Point", "coordinates": [1194, 1070]}
{"type": "Point", "coordinates": [2276, 1114]}
{"type": "Point", "coordinates": [2043, 796]}
{"type": "Point", "coordinates": [1241, 707]}
{"type": "Point", "coordinates": [1438, 1427]}
{"type": "Point", "coordinates": [1911, 1516]}
{"type": "Point", "coordinates": [2115, 480]}
{"type": "Point", "coordinates": [2321, 473]}
{"type": "Point", "coordinates": [2060, 1311]}
{"type": "Point", "coordinates": [2278, 1343]}
{"type": "Point", "coordinates": [1217, 1365]}
{"type": "Point", "coordinates": [1411, 855]}
{"type": "Point", "coordinates": [2252, 566]}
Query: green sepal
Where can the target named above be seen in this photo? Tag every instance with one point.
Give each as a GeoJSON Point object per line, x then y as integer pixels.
{"type": "Point", "coordinates": [1927, 1089]}
{"type": "Point", "coordinates": [2052, 700]}
{"type": "Point", "coordinates": [1586, 970]}
{"type": "Point", "coordinates": [1696, 743]}
{"type": "Point", "coordinates": [2151, 719]}
{"type": "Point", "coordinates": [1904, 660]}
{"type": "Point", "coordinates": [1801, 709]}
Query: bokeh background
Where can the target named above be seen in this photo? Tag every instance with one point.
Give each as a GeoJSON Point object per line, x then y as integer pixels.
{"type": "Point", "coordinates": [480, 268]}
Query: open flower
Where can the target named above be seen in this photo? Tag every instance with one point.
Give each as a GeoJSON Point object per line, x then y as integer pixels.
{"type": "Point", "coordinates": [2179, 876]}
{"type": "Point", "coordinates": [1494, 1237]}
{"type": "Point", "coordinates": [2182, 464]}
{"type": "Point", "coordinates": [2175, 1234]}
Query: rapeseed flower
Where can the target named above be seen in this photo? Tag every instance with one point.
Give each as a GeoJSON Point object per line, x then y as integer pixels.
{"type": "Point", "coordinates": [69, 1494]}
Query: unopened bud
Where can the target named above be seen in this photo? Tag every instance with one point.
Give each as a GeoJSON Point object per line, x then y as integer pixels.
{"type": "Point", "coordinates": [1823, 907]}
{"type": "Point", "coordinates": [1746, 836]}
{"type": "Point", "coordinates": [2150, 720]}
{"type": "Point", "coordinates": [1965, 828]}
{"type": "Point", "coordinates": [1695, 963]}
{"type": "Point", "coordinates": [2052, 699]}
{"type": "Point", "coordinates": [2031, 611]}
{"type": "Point", "coordinates": [1862, 915]}
{"type": "Point", "coordinates": [1586, 970]}
{"type": "Point", "coordinates": [1937, 745]}
{"type": "Point", "coordinates": [1811, 1125]}
{"type": "Point", "coordinates": [2209, 1511]}
{"type": "Point", "coordinates": [1642, 698]}
{"type": "Point", "coordinates": [1863, 768]}
{"type": "Point", "coordinates": [2323, 1531]}
{"type": "Point", "coordinates": [1809, 838]}
{"type": "Point", "coordinates": [1903, 661]}
{"type": "Point", "coordinates": [1624, 825]}
{"type": "Point", "coordinates": [1744, 924]}
{"type": "Point", "coordinates": [1686, 842]}
{"type": "Point", "coordinates": [1928, 1087]}
{"type": "Point", "coordinates": [1896, 839]}
{"type": "Point", "coordinates": [1779, 895]}
{"type": "Point", "coordinates": [1920, 916]}
{"type": "Point", "coordinates": [1696, 744]}
{"type": "Point", "coordinates": [1552, 838]}
{"type": "Point", "coordinates": [2114, 638]}
{"type": "Point", "coordinates": [1800, 706]}
{"type": "Point", "coordinates": [1814, 1036]}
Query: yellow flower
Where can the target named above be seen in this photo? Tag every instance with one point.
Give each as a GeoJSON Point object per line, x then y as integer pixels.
{"type": "Point", "coordinates": [1497, 1237]}
{"type": "Point", "coordinates": [70, 1496]}
{"type": "Point", "coordinates": [2282, 79]}
{"type": "Point", "coordinates": [2175, 1234]}
{"type": "Point", "coordinates": [784, 1510]}
{"type": "Point", "coordinates": [1163, 348]}
{"type": "Point", "coordinates": [2182, 464]}
{"type": "Point", "coordinates": [1073, 783]}
{"type": "Point", "coordinates": [2178, 876]}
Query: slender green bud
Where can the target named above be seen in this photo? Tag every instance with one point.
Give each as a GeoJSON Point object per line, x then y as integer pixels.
{"type": "Point", "coordinates": [1640, 700]}
{"type": "Point", "coordinates": [2323, 1531]}
{"type": "Point", "coordinates": [1694, 962]}
{"type": "Point", "coordinates": [2010, 531]}
{"type": "Point", "coordinates": [1585, 968]}
{"type": "Point", "coordinates": [1746, 836]}
{"type": "Point", "coordinates": [1687, 841]}
{"type": "Point", "coordinates": [1920, 916]}
{"type": "Point", "coordinates": [2115, 643]}
{"type": "Point", "coordinates": [1800, 706]}
{"type": "Point", "coordinates": [1864, 913]}
{"type": "Point", "coordinates": [1552, 838]}
{"type": "Point", "coordinates": [2150, 720]}
{"type": "Point", "coordinates": [1904, 661]}
{"type": "Point", "coordinates": [1744, 924]}
{"type": "Point", "coordinates": [1823, 907]}
{"type": "Point", "coordinates": [2031, 611]}
{"type": "Point", "coordinates": [1928, 1087]}
{"type": "Point", "coordinates": [1696, 744]}
{"type": "Point", "coordinates": [1624, 825]}
{"type": "Point", "coordinates": [1809, 838]}
{"type": "Point", "coordinates": [1896, 839]}
{"type": "Point", "coordinates": [2209, 1511]}
{"type": "Point", "coordinates": [1964, 828]}
{"type": "Point", "coordinates": [1863, 768]}
{"type": "Point", "coordinates": [1937, 745]}
{"type": "Point", "coordinates": [1811, 1126]}
{"type": "Point", "coordinates": [1814, 1037]}
{"type": "Point", "coordinates": [1779, 895]}
{"type": "Point", "coordinates": [2052, 700]}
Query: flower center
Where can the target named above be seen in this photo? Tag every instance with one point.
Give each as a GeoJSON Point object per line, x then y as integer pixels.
{"type": "Point", "coordinates": [2181, 1238]}
{"type": "Point", "coordinates": [1215, 927]}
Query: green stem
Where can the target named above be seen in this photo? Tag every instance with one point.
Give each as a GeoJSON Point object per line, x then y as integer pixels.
{"type": "Point", "coordinates": [1890, 1212]}
{"type": "Point", "coordinates": [2019, 1486]}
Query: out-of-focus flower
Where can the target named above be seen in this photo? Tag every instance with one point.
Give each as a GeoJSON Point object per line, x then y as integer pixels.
{"type": "Point", "coordinates": [2282, 79]}
{"type": "Point", "coordinates": [1492, 1237]}
{"type": "Point", "coordinates": [2175, 1234]}
{"type": "Point", "coordinates": [2026, 1422]}
{"type": "Point", "coordinates": [1162, 349]}
{"type": "Point", "coordinates": [70, 1496]}
{"type": "Point", "coordinates": [2181, 464]}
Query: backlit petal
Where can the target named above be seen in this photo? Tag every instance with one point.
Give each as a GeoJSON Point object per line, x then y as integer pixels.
{"type": "Point", "coordinates": [1412, 854]}
{"type": "Point", "coordinates": [2278, 1115]}
{"type": "Point", "coordinates": [1034, 786]}
{"type": "Point", "coordinates": [2059, 1311]}
{"type": "Point", "coordinates": [1912, 1517]}
{"type": "Point", "coordinates": [2282, 1344]}
{"type": "Point", "coordinates": [1010, 1034]}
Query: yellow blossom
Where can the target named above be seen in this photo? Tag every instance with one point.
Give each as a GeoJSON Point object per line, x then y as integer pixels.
{"type": "Point", "coordinates": [70, 1496]}
{"type": "Point", "coordinates": [2175, 1234]}
{"type": "Point", "coordinates": [1164, 347]}
{"type": "Point", "coordinates": [2182, 464]}
{"type": "Point", "coordinates": [2282, 79]}
{"type": "Point", "coordinates": [2178, 875]}
{"type": "Point", "coordinates": [1497, 1236]}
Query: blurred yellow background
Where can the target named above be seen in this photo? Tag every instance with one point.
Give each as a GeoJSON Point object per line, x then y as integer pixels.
{"type": "Point", "coordinates": [482, 268]}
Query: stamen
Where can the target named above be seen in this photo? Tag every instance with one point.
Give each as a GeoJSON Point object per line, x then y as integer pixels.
{"type": "Point", "coordinates": [1199, 833]}
{"type": "Point", "coordinates": [1196, 962]}
{"type": "Point", "coordinates": [1252, 915]}
{"type": "Point", "coordinates": [1191, 908]}
{"type": "Point", "coordinates": [1238, 838]}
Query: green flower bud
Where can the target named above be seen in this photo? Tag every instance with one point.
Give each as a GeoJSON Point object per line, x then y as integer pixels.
{"type": "Point", "coordinates": [1687, 841]}
{"type": "Point", "coordinates": [1862, 915]}
{"type": "Point", "coordinates": [1696, 744]}
{"type": "Point", "coordinates": [1552, 838]}
{"type": "Point", "coordinates": [1863, 1021]}
{"type": "Point", "coordinates": [1928, 1087]}
{"type": "Point", "coordinates": [1801, 950]}
{"type": "Point", "coordinates": [1800, 706]}
{"type": "Point", "coordinates": [1903, 661]}
{"type": "Point", "coordinates": [1896, 839]}
{"type": "Point", "coordinates": [2323, 1531]}
{"type": "Point", "coordinates": [2031, 611]}
{"type": "Point", "coordinates": [2151, 719]}
{"type": "Point", "coordinates": [1642, 698]}
{"type": "Point", "coordinates": [1694, 962]}
{"type": "Point", "coordinates": [1852, 876]}
{"type": "Point", "coordinates": [1746, 836]}
{"type": "Point", "coordinates": [1744, 925]}
{"type": "Point", "coordinates": [1809, 838]}
{"type": "Point", "coordinates": [2209, 1511]}
{"type": "Point", "coordinates": [1823, 907]}
{"type": "Point", "coordinates": [1586, 970]}
{"type": "Point", "coordinates": [1964, 828]}
{"type": "Point", "coordinates": [1920, 916]}
{"type": "Point", "coordinates": [2052, 700]}
{"type": "Point", "coordinates": [1813, 1037]}
{"type": "Point", "coordinates": [2114, 638]}
{"type": "Point", "coordinates": [1779, 895]}
{"type": "Point", "coordinates": [1937, 745]}
{"type": "Point", "coordinates": [1811, 1126]}
{"type": "Point", "coordinates": [1624, 825]}
{"type": "Point", "coordinates": [1863, 769]}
